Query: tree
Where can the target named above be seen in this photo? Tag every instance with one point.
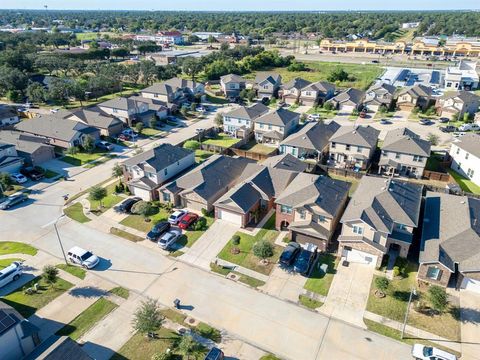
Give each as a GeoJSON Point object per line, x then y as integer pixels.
{"type": "Point", "coordinates": [263, 249]}
{"type": "Point", "coordinates": [297, 66]}
{"type": "Point", "coordinates": [338, 75]}
{"type": "Point", "coordinates": [382, 109]}
{"type": "Point", "coordinates": [328, 106]}
{"type": "Point", "coordinates": [143, 208]}
{"type": "Point", "coordinates": [184, 111]}
{"type": "Point", "coordinates": [433, 138]}
{"type": "Point", "coordinates": [162, 356]}
{"type": "Point", "coordinates": [188, 346]}
{"type": "Point", "coordinates": [147, 318]}
{"type": "Point", "coordinates": [120, 53]}
{"type": "Point", "coordinates": [5, 181]}
{"type": "Point", "coordinates": [72, 150]}
{"type": "Point", "coordinates": [382, 284]}
{"type": "Point", "coordinates": [36, 93]}
{"type": "Point", "coordinates": [191, 145]}
{"type": "Point", "coordinates": [191, 66]}
{"type": "Point", "coordinates": [50, 274]}
{"type": "Point", "coordinates": [218, 120]}
{"type": "Point", "coordinates": [438, 298]}
{"type": "Point", "coordinates": [89, 144]}
{"type": "Point", "coordinates": [201, 224]}
{"type": "Point", "coordinates": [466, 117]}
{"type": "Point", "coordinates": [139, 127]}
{"type": "Point", "coordinates": [117, 170]}
{"type": "Point", "coordinates": [97, 193]}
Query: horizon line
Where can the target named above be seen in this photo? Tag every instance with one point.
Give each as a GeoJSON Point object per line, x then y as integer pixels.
{"type": "Point", "coordinates": [242, 10]}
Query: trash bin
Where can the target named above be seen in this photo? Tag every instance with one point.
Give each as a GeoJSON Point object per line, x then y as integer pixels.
{"type": "Point", "coordinates": [176, 303]}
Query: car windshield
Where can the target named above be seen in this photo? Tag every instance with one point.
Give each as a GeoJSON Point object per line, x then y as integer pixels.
{"type": "Point", "coordinates": [87, 255]}
{"type": "Point", "coordinates": [427, 351]}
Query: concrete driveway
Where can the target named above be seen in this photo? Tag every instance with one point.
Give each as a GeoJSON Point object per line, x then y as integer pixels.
{"type": "Point", "coordinates": [470, 325]}
{"type": "Point", "coordinates": [348, 294]}
{"type": "Point", "coordinates": [284, 284]}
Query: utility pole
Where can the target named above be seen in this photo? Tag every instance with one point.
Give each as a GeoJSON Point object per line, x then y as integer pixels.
{"type": "Point", "coordinates": [54, 223]}
{"type": "Point", "coordinates": [413, 292]}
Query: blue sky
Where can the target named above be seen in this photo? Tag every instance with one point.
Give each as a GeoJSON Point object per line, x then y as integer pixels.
{"type": "Point", "coordinates": [243, 5]}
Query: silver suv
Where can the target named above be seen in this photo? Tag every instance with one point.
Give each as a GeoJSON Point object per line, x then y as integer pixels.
{"type": "Point", "coordinates": [10, 273]}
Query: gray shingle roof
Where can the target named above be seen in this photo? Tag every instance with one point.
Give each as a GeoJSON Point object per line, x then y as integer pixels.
{"type": "Point", "coordinates": [95, 118]}
{"type": "Point", "coordinates": [7, 112]}
{"type": "Point", "coordinates": [25, 143]}
{"type": "Point", "coordinates": [278, 117]}
{"type": "Point", "coordinates": [470, 143]}
{"type": "Point", "coordinates": [232, 78]}
{"type": "Point", "coordinates": [418, 91]}
{"type": "Point", "coordinates": [313, 136]}
{"type": "Point", "coordinates": [285, 162]}
{"type": "Point", "coordinates": [323, 86]}
{"type": "Point", "coordinates": [251, 112]}
{"type": "Point", "coordinates": [405, 141]}
{"type": "Point", "coordinates": [159, 157]}
{"type": "Point", "coordinates": [296, 83]}
{"type": "Point", "coordinates": [465, 96]}
{"type": "Point", "coordinates": [122, 103]}
{"type": "Point", "coordinates": [271, 77]}
{"type": "Point", "coordinates": [170, 86]}
{"type": "Point", "coordinates": [350, 95]}
{"type": "Point", "coordinates": [356, 135]}
{"type": "Point", "coordinates": [153, 104]}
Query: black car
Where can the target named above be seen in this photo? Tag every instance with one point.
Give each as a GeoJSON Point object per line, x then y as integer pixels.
{"type": "Point", "coordinates": [290, 253]}
{"type": "Point", "coordinates": [126, 205]}
{"type": "Point", "coordinates": [215, 354]}
{"type": "Point", "coordinates": [304, 261]}
{"type": "Point", "coordinates": [158, 230]}
{"type": "Point", "coordinates": [32, 173]}
{"type": "Point", "coordinates": [448, 129]}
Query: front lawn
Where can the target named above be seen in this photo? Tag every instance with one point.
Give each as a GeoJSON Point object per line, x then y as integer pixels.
{"type": "Point", "coordinates": [125, 234]}
{"type": "Point", "coordinates": [120, 291]}
{"type": "Point", "coordinates": [319, 282]}
{"type": "Point", "coordinates": [149, 132]}
{"type": "Point", "coordinates": [12, 247]}
{"type": "Point", "coordinates": [193, 235]}
{"type": "Point", "coordinates": [466, 184]}
{"type": "Point", "coordinates": [138, 222]}
{"type": "Point", "coordinates": [221, 140]}
{"type": "Point", "coordinates": [74, 270]}
{"type": "Point", "coordinates": [246, 258]}
{"type": "Point", "coordinates": [82, 158]}
{"type": "Point", "coordinates": [324, 113]}
{"type": "Point", "coordinates": [49, 174]}
{"type": "Point", "coordinates": [309, 302]}
{"type": "Point", "coordinates": [87, 319]}
{"type": "Point", "coordinates": [27, 305]}
{"type": "Point", "coordinates": [7, 262]}
{"type": "Point", "coordinates": [108, 202]}
{"type": "Point", "coordinates": [75, 212]}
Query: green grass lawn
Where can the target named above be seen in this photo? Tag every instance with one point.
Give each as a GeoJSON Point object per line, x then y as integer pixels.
{"type": "Point", "coordinates": [319, 282]}
{"type": "Point", "coordinates": [466, 184]}
{"type": "Point", "coordinates": [27, 305]}
{"type": "Point", "coordinates": [202, 155]}
{"type": "Point", "coordinates": [12, 247]}
{"type": "Point", "coordinates": [434, 163]}
{"type": "Point", "coordinates": [74, 270]}
{"type": "Point", "coordinates": [248, 280]}
{"type": "Point", "coordinates": [125, 234]}
{"type": "Point", "coordinates": [258, 148]}
{"type": "Point", "coordinates": [7, 262]}
{"type": "Point", "coordinates": [220, 100]}
{"type": "Point", "coordinates": [108, 202]}
{"type": "Point", "coordinates": [87, 36]}
{"type": "Point", "coordinates": [269, 357]}
{"type": "Point", "coordinates": [87, 319]}
{"type": "Point", "coordinates": [246, 258]}
{"type": "Point", "coordinates": [120, 291]}
{"type": "Point", "coordinates": [324, 113]}
{"type": "Point", "coordinates": [309, 302]}
{"type": "Point", "coordinates": [193, 235]}
{"type": "Point", "coordinates": [49, 174]}
{"type": "Point", "coordinates": [202, 328]}
{"type": "Point", "coordinates": [222, 140]}
{"type": "Point", "coordinates": [152, 132]}
{"type": "Point", "coordinates": [82, 158]}
{"type": "Point", "coordinates": [75, 212]}
{"type": "Point", "coordinates": [138, 222]}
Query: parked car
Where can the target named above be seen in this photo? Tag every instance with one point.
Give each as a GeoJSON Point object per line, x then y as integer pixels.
{"type": "Point", "coordinates": [443, 120]}
{"type": "Point", "coordinates": [458, 134]}
{"type": "Point", "coordinates": [304, 261]}
{"type": "Point", "coordinates": [105, 145]}
{"type": "Point", "coordinates": [175, 218]}
{"type": "Point", "coordinates": [82, 257]}
{"type": "Point", "coordinates": [290, 253]}
{"type": "Point", "coordinates": [169, 238]}
{"type": "Point", "coordinates": [18, 178]}
{"type": "Point", "coordinates": [363, 114]}
{"type": "Point", "coordinates": [215, 354]}
{"type": "Point", "coordinates": [423, 352]}
{"type": "Point", "coordinates": [187, 221]}
{"type": "Point", "coordinates": [375, 61]}
{"type": "Point", "coordinates": [314, 117]}
{"type": "Point", "coordinates": [129, 133]}
{"type": "Point", "coordinates": [385, 122]}
{"type": "Point", "coordinates": [11, 273]}
{"type": "Point", "coordinates": [469, 127]}
{"type": "Point", "coordinates": [126, 205]}
{"type": "Point", "coordinates": [123, 137]}
{"type": "Point", "coordinates": [199, 131]}
{"type": "Point", "coordinates": [13, 200]}
{"type": "Point", "coordinates": [158, 230]}
{"type": "Point", "coordinates": [448, 128]}
{"type": "Point", "coordinates": [425, 121]}
{"type": "Point", "coordinates": [33, 173]}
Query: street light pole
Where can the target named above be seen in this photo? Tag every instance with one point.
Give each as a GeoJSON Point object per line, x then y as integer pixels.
{"type": "Point", "coordinates": [54, 223]}
{"type": "Point", "coordinates": [412, 292]}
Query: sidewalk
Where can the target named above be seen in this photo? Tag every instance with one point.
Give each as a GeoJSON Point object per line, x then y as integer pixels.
{"type": "Point", "coordinates": [242, 270]}
{"type": "Point", "coordinates": [415, 332]}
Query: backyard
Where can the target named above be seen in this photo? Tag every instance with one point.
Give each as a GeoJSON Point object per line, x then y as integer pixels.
{"type": "Point", "coordinates": [319, 282]}
{"type": "Point", "coordinates": [252, 146]}
{"type": "Point", "coordinates": [467, 185]}
{"type": "Point", "coordinates": [221, 140]}
{"type": "Point", "coordinates": [202, 155]}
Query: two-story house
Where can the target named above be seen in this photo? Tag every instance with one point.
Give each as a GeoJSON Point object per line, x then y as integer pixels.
{"type": "Point", "coordinates": [169, 38]}
{"type": "Point", "coordinates": [174, 91]}
{"type": "Point", "coordinates": [232, 85]}
{"type": "Point", "coordinates": [316, 93]}
{"type": "Point", "coordinates": [380, 94]}
{"type": "Point", "coordinates": [310, 208]}
{"type": "Point", "coordinates": [8, 115]}
{"type": "Point", "coordinates": [126, 109]}
{"type": "Point", "coordinates": [404, 153]}
{"type": "Point", "coordinates": [267, 85]}
{"type": "Point", "coordinates": [291, 91]}
{"type": "Point", "coordinates": [458, 104]}
{"type": "Point", "coordinates": [146, 172]}
{"type": "Point", "coordinates": [274, 126]}
{"type": "Point", "coordinates": [348, 100]}
{"type": "Point", "coordinates": [10, 162]}
{"type": "Point", "coordinates": [463, 76]}
{"type": "Point", "coordinates": [380, 217]}
{"type": "Point", "coordinates": [418, 96]}
{"type": "Point", "coordinates": [352, 147]}
{"type": "Point", "coordinates": [107, 124]}
{"type": "Point", "coordinates": [33, 149]}
{"type": "Point", "coordinates": [311, 141]}
{"type": "Point", "coordinates": [240, 122]}
{"type": "Point", "coordinates": [465, 154]}
{"type": "Point", "coordinates": [159, 108]}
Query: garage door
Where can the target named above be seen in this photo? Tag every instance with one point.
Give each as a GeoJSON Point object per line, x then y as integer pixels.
{"type": "Point", "coordinates": [230, 217]}
{"type": "Point", "coordinates": [357, 256]}
{"type": "Point", "coordinates": [347, 108]}
{"type": "Point", "coordinates": [144, 194]}
{"type": "Point", "coordinates": [471, 284]}
{"type": "Point", "coordinates": [194, 205]}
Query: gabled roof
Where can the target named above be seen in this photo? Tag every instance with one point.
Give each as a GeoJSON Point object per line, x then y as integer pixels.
{"type": "Point", "coordinates": [296, 83]}
{"type": "Point", "coordinates": [356, 135]}
{"type": "Point", "coordinates": [451, 231]}
{"type": "Point", "coordinates": [418, 91]}
{"type": "Point", "coordinates": [470, 143]}
{"type": "Point", "coordinates": [271, 77]}
{"type": "Point", "coordinates": [153, 104]}
{"type": "Point", "coordinates": [320, 86]}
{"type": "Point", "coordinates": [465, 96]}
{"type": "Point", "coordinates": [278, 117]}
{"type": "Point", "coordinates": [350, 95]}
{"type": "Point", "coordinates": [7, 112]}
{"type": "Point", "coordinates": [96, 118]}
{"type": "Point", "coordinates": [159, 157]}
{"type": "Point", "coordinates": [285, 162]}
{"type": "Point", "coordinates": [405, 141]}
{"type": "Point", "coordinates": [375, 94]}
{"type": "Point", "coordinates": [251, 112]}
{"type": "Point", "coordinates": [381, 202]}
{"type": "Point", "coordinates": [122, 103]}
{"type": "Point", "coordinates": [382, 88]}
{"type": "Point", "coordinates": [170, 86]}
{"type": "Point", "coordinates": [23, 142]}
{"type": "Point", "coordinates": [232, 78]}
{"type": "Point", "coordinates": [313, 136]}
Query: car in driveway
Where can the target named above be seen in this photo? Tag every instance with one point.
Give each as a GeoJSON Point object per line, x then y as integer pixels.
{"type": "Point", "coordinates": [18, 178]}
{"type": "Point", "coordinates": [158, 230]}
{"type": "Point", "coordinates": [33, 173]}
{"type": "Point", "coordinates": [169, 238]}
{"type": "Point", "coordinates": [126, 205]}
{"type": "Point", "coordinates": [385, 122]}
{"type": "Point", "coordinates": [448, 128]}
{"type": "Point", "coordinates": [215, 354]}
{"type": "Point", "coordinates": [443, 120]}
{"type": "Point", "coordinates": [177, 216]}
{"type": "Point", "coordinates": [314, 117]}
{"type": "Point", "coordinates": [105, 145]}
{"type": "Point", "coordinates": [289, 254]}
{"type": "Point", "coordinates": [305, 259]}
{"type": "Point", "coordinates": [423, 352]}
{"type": "Point", "coordinates": [469, 127]}
{"type": "Point", "coordinates": [82, 257]}
{"type": "Point", "coordinates": [13, 200]}
{"type": "Point", "coordinates": [187, 221]}
{"type": "Point", "coordinates": [424, 121]}
{"type": "Point", "coordinates": [11, 273]}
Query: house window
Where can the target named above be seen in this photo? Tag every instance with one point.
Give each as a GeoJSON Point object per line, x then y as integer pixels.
{"type": "Point", "coordinates": [459, 165]}
{"type": "Point", "coordinates": [261, 126]}
{"type": "Point", "coordinates": [114, 111]}
{"type": "Point", "coordinates": [265, 87]}
{"type": "Point", "coordinates": [357, 229]}
{"type": "Point", "coordinates": [397, 156]}
{"type": "Point", "coordinates": [285, 209]}
{"type": "Point", "coordinates": [166, 197]}
{"type": "Point", "coordinates": [347, 147]}
{"type": "Point", "coordinates": [470, 173]}
{"type": "Point", "coordinates": [384, 153]}
{"type": "Point", "coordinates": [321, 219]}
{"type": "Point", "coordinates": [417, 158]}
{"type": "Point", "coordinates": [302, 214]}
{"type": "Point", "coordinates": [449, 84]}
{"type": "Point", "coordinates": [466, 156]}
{"type": "Point", "coordinates": [308, 93]}
{"type": "Point", "coordinates": [359, 149]}
{"type": "Point", "coordinates": [333, 145]}
{"type": "Point", "coordinates": [165, 171]}
{"type": "Point", "coordinates": [434, 273]}
{"type": "Point", "coordinates": [282, 128]}
{"type": "Point", "coordinates": [269, 127]}
{"type": "Point", "coordinates": [401, 227]}
{"type": "Point", "coordinates": [458, 151]}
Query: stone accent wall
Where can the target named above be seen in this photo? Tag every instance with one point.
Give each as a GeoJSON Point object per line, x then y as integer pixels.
{"type": "Point", "coordinates": [442, 281]}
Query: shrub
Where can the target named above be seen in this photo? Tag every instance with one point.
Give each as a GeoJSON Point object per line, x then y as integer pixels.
{"type": "Point", "coordinates": [263, 249]}
{"type": "Point", "coordinates": [328, 106]}
{"type": "Point", "coordinates": [148, 318]}
{"type": "Point", "coordinates": [236, 240]}
{"type": "Point", "coordinates": [139, 127]}
{"type": "Point", "coordinates": [382, 284]}
{"type": "Point", "coordinates": [143, 208]}
{"type": "Point", "coordinates": [396, 271]}
{"type": "Point", "coordinates": [355, 112]}
{"type": "Point", "coordinates": [50, 274]}
{"type": "Point", "coordinates": [438, 298]}
{"type": "Point", "coordinates": [382, 109]}
{"type": "Point", "coordinates": [415, 110]}
{"type": "Point", "coordinates": [204, 212]}
{"type": "Point", "coordinates": [201, 224]}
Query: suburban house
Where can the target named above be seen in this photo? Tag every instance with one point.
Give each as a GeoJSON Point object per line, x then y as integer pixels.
{"type": "Point", "coordinates": [464, 76]}
{"type": "Point", "coordinates": [285, 162]}
{"type": "Point", "coordinates": [33, 149]}
{"type": "Point", "coordinates": [274, 126]}
{"type": "Point", "coordinates": [10, 162]}
{"type": "Point", "coordinates": [174, 91]}
{"type": "Point", "coordinates": [310, 208]}
{"type": "Point", "coordinates": [450, 245]}
{"type": "Point", "coordinates": [169, 37]}
{"type": "Point", "coordinates": [58, 348]}
{"type": "Point", "coordinates": [127, 109]}
{"type": "Point", "coordinates": [378, 95]}
{"type": "Point", "coordinates": [8, 115]}
{"type": "Point", "coordinates": [316, 93]}
{"type": "Point", "coordinates": [107, 124]}
{"type": "Point", "coordinates": [18, 336]}
{"type": "Point", "coordinates": [348, 100]}
{"type": "Point", "coordinates": [147, 171]}
{"type": "Point", "coordinates": [60, 132]}
{"type": "Point", "coordinates": [267, 85]}
{"type": "Point", "coordinates": [404, 154]}
{"type": "Point", "coordinates": [311, 141]}
{"type": "Point", "coordinates": [291, 91]}
{"type": "Point", "coordinates": [465, 154]}
{"type": "Point", "coordinates": [458, 104]}
{"type": "Point", "coordinates": [201, 187]}
{"type": "Point", "coordinates": [160, 108]}
{"type": "Point", "coordinates": [352, 147]}
{"type": "Point", "coordinates": [418, 96]}
{"type": "Point", "coordinates": [231, 85]}
{"type": "Point", "coordinates": [239, 122]}
{"type": "Point", "coordinates": [380, 218]}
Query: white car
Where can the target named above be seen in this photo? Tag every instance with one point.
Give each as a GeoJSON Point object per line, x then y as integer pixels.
{"type": "Point", "coordinates": [129, 132]}
{"type": "Point", "coordinates": [315, 117]}
{"type": "Point", "coordinates": [469, 127]}
{"type": "Point", "coordinates": [10, 273]}
{"type": "Point", "coordinates": [423, 352]}
{"type": "Point", "coordinates": [169, 238]}
{"type": "Point", "coordinates": [82, 257]}
{"type": "Point", "coordinates": [178, 215]}
{"type": "Point", "coordinates": [18, 178]}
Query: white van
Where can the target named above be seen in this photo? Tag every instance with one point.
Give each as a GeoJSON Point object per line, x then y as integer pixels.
{"type": "Point", "coordinates": [10, 273]}
{"type": "Point", "coordinates": [82, 257]}
{"type": "Point", "coordinates": [469, 127]}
